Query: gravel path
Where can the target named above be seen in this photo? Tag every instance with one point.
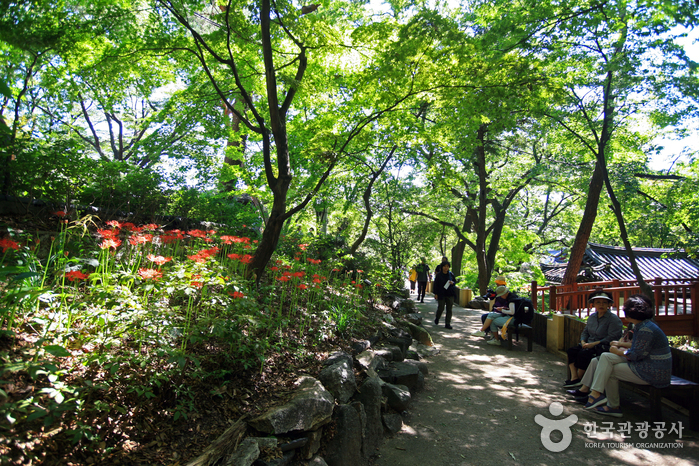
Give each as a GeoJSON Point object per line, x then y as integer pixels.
{"type": "Point", "coordinates": [480, 403]}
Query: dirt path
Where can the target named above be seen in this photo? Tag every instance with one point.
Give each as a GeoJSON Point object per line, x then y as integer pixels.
{"type": "Point", "coordinates": [480, 403]}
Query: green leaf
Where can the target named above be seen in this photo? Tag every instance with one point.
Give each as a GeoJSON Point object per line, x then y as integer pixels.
{"type": "Point", "coordinates": [57, 350]}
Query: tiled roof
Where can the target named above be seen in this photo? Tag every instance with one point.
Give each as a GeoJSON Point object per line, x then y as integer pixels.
{"type": "Point", "coordinates": [602, 263]}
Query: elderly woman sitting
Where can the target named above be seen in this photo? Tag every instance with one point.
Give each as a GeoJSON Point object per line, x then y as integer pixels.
{"type": "Point", "coordinates": [646, 360]}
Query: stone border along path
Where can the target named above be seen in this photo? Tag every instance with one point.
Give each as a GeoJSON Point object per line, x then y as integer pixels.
{"type": "Point", "coordinates": [479, 404]}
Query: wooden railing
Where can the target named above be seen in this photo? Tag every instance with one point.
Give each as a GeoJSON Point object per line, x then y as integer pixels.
{"type": "Point", "coordinates": [674, 311]}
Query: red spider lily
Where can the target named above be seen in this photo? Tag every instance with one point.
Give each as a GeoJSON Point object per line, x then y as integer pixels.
{"type": "Point", "coordinates": [234, 256]}
{"type": "Point", "coordinates": [302, 286]}
{"type": "Point", "coordinates": [110, 243]}
{"type": "Point", "coordinates": [140, 239]}
{"type": "Point", "coordinates": [196, 283]}
{"type": "Point", "coordinates": [76, 275]}
{"type": "Point", "coordinates": [298, 274]}
{"type": "Point", "coordinates": [358, 285]}
{"type": "Point", "coordinates": [171, 236]}
{"type": "Point", "coordinates": [335, 270]}
{"type": "Point", "coordinates": [7, 243]}
{"type": "Point", "coordinates": [315, 275]}
{"type": "Point", "coordinates": [237, 294]}
{"type": "Point", "coordinates": [198, 258]}
{"type": "Point", "coordinates": [227, 239]}
{"type": "Point", "coordinates": [114, 223]}
{"type": "Point", "coordinates": [314, 261]}
{"type": "Point", "coordinates": [211, 252]}
{"type": "Point", "coordinates": [283, 278]}
{"type": "Point", "coordinates": [352, 282]}
{"type": "Point", "coordinates": [316, 280]}
{"type": "Point", "coordinates": [303, 246]}
{"type": "Point", "coordinates": [60, 213]}
{"type": "Point", "coordinates": [160, 260]}
{"type": "Point", "coordinates": [197, 233]}
{"type": "Point", "coordinates": [297, 258]}
{"type": "Point", "coordinates": [274, 269]}
{"type": "Point", "coordinates": [279, 261]}
{"type": "Point", "coordinates": [360, 271]}
{"type": "Point", "coordinates": [150, 274]}
{"type": "Point", "coordinates": [104, 233]}
{"type": "Point", "coordinates": [246, 259]}
{"type": "Point", "coordinates": [211, 232]}
{"type": "Point", "coordinates": [255, 241]}
{"type": "Point", "coordinates": [130, 227]}
{"type": "Point", "coordinates": [151, 226]}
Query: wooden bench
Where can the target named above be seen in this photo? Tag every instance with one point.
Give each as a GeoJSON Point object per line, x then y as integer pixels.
{"type": "Point", "coordinates": [677, 385]}
{"type": "Point", "coordinates": [524, 330]}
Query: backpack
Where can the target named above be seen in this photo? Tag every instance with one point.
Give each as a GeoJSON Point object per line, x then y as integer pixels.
{"type": "Point", "coordinates": [524, 311]}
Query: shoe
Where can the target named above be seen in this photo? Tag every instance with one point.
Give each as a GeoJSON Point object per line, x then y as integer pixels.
{"type": "Point", "coordinates": [572, 383]}
{"type": "Point", "coordinates": [577, 393]}
{"type": "Point", "coordinates": [436, 321]}
{"type": "Point", "coordinates": [495, 342]}
{"type": "Point", "coordinates": [479, 333]}
{"type": "Point", "coordinates": [422, 301]}
{"type": "Point", "coordinates": [593, 402]}
{"type": "Point", "coordinates": [607, 411]}
{"type": "Point", "coordinates": [448, 327]}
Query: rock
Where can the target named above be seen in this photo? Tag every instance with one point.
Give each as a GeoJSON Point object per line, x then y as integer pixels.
{"type": "Point", "coordinates": [398, 396]}
{"type": "Point", "coordinates": [311, 407]}
{"type": "Point", "coordinates": [338, 377]}
{"type": "Point", "coordinates": [370, 396]}
{"type": "Point", "coordinates": [286, 459]}
{"type": "Point", "coordinates": [339, 356]}
{"type": "Point", "coordinates": [422, 367]}
{"type": "Point", "coordinates": [371, 360]}
{"type": "Point", "coordinates": [386, 353]}
{"type": "Point", "coordinates": [313, 445]}
{"type": "Point", "coordinates": [424, 351]}
{"type": "Point", "coordinates": [317, 461]}
{"type": "Point", "coordinates": [247, 452]}
{"type": "Point", "coordinates": [345, 448]}
{"type": "Point", "coordinates": [414, 318]}
{"type": "Point", "coordinates": [401, 373]}
{"type": "Point", "coordinates": [393, 423]}
{"type": "Point", "coordinates": [419, 334]}
{"type": "Point", "coordinates": [412, 355]}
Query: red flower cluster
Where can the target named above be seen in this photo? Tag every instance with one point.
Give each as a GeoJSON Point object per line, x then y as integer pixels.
{"type": "Point", "coordinates": [7, 243]}
{"type": "Point", "coordinates": [204, 254]}
{"type": "Point", "coordinates": [60, 213]}
{"type": "Point", "coordinates": [234, 239]}
{"type": "Point", "coordinates": [171, 236]}
{"type": "Point", "coordinates": [314, 261]}
{"type": "Point", "coordinates": [196, 283]}
{"type": "Point", "coordinates": [110, 243]}
{"type": "Point", "coordinates": [141, 239]}
{"type": "Point", "coordinates": [150, 274]}
{"type": "Point", "coordinates": [151, 226]}
{"type": "Point", "coordinates": [76, 275]}
{"type": "Point", "coordinates": [237, 294]}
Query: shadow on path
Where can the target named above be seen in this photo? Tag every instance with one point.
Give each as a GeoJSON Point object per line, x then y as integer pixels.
{"type": "Point", "coordinates": [480, 402]}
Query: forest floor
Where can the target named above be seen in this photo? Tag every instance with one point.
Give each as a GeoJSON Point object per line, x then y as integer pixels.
{"type": "Point", "coordinates": [480, 404]}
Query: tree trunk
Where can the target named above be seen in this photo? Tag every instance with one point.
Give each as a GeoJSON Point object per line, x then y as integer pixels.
{"type": "Point", "coordinates": [577, 252]}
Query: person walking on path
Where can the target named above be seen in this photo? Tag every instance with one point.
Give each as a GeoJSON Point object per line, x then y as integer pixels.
{"type": "Point", "coordinates": [423, 272]}
{"type": "Point", "coordinates": [444, 292]}
{"type": "Point", "coordinates": [412, 277]}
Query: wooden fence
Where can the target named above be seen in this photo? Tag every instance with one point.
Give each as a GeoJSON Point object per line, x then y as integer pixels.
{"type": "Point", "coordinates": [674, 312]}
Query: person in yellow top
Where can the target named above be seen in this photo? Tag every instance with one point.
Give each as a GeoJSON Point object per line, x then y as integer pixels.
{"type": "Point", "coordinates": [412, 277]}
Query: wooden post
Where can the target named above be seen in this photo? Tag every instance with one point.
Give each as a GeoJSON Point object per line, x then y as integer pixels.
{"type": "Point", "coordinates": [695, 309]}
{"type": "Point", "coordinates": [658, 295]}
{"type": "Point", "coordinates": [534, 295]}
{"type": "Point", "coordinates": [552, 298]}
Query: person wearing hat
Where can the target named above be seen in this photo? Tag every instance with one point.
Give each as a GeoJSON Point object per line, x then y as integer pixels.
{"type": "Point", "coordinates": [503, 310]}
{"type": "Point", "coordinates": [646, 360]}
{"type": "Point", "coordinates": [494, 301]}
{"type": "Point", "coordinates": [602, 328]}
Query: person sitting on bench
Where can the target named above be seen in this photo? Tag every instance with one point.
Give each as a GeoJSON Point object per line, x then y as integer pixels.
{"type": "Point", "coordinates": [647, 360]}
{"type": "Point", "coordinates": [602, 328]}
